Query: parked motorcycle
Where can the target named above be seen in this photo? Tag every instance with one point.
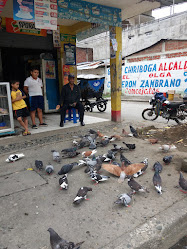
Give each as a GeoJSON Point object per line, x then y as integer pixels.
{"type": "Point", "coordinates": [162, 107]}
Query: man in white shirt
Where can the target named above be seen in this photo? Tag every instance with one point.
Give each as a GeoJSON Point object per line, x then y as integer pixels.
{"type": "Point", "coordinates": [33, 86]}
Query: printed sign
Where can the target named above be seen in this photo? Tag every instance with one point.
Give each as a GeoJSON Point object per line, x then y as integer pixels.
{"type": "Point", "coordinates": [68, 38]}
{"type": "Point", "coordinates": [50, 69]}
{"type": "Point", "coordinates": [23, 10]}
{"type": "Point", "coordinates": [2, 5]}
{"type": "Point", "coordinates": [56, 38]}
{"type": "Point", "coordinates": [70, 54]}
{"type": "Point", "coordinates": [46, 14]}
{"type": "Point", "coordinates": [143, 78]}
{"type": "Point", "coordinates": [89, 12]}
{"type": "Point", "coordinates": [22, 27]}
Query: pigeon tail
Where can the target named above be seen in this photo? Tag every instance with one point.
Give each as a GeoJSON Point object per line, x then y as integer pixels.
{"type": "Point", "coordinates": [122, 177]}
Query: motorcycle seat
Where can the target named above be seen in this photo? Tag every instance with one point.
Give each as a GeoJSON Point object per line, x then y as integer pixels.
{"type": "Point", "coordinates": [175, 104]}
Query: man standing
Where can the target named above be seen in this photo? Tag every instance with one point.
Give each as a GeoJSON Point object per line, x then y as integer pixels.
{"type": "Point", "coordinates": [70, 97]}
{"type": "Point", "coordinates": [33, 87]}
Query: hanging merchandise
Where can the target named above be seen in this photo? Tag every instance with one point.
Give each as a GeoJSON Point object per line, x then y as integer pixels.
{"type": "Point", "coordinates": [45, 14]}
{"type": "Point", "coordinates": [23, 10]}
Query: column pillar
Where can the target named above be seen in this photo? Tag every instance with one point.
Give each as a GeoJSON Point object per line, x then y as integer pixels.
{"type": "Point", "coordinates": [116, 72]}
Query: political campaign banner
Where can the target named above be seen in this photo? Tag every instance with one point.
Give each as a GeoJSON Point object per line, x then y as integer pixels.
{"type": "Point", "coordinates": [145, 77]}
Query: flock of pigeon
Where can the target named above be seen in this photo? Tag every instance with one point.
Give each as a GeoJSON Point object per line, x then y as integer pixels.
{"type": "Point", "coordinates": [93, 164]}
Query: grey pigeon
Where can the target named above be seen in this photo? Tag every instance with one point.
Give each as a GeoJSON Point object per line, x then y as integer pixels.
{"type": "Point", "coordinates": [71, 154]}
{"type": "Point", "coordinates": [182, 183]}
{"type": "Point", "coordinates": [124, 159]}
{"type": "Point", "coordinates": [69, 150]}
{"type": "Point", "coordinates": [67, 168]}
{"type": "Point", "coordinates": [134, 132]}
{"type": "Point", "coordinates": [118, 148]}
{"type": "Point", "coordinates": [157, 167]}
{"type": "Point", "coordinates": [49, 169]}
{"type": "Point", "coordinates": [103, 142]}
{"type": "Point", "coordinates": [130, 146]}
{"type": "Point", "coordinates": [167, 159]}
{"type": "Point", "coordinates": [63, 182]}
{"type": "Point", "coordinates": [97, 177]}
{"type": "Point", "coordinates": [157, 181]}
{"type": "Point", "coordinates": [81, 195]}
{"type": "Point", "coordinates": [56, 156]}
{"type": "Point", "coordinates": [124, 199]}
{"type": "Point", "coordinates": [135, 186]}
{"type": "Point", "coordinates": [39, 164]}
{"type": "Point", "coordinates": [59, 243]}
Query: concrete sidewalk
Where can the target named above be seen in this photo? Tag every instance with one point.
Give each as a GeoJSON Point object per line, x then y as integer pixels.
{"type": "Point", "coordinates": [31, 201]}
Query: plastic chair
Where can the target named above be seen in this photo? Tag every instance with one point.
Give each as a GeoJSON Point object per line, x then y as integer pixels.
{"type": "Point", "coordinates": [71, 114]}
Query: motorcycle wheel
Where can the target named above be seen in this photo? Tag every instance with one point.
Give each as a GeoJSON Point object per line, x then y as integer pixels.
{"type": "Point", "coordinates": [101, 106]}
{"type": "Point", "coordinates": [149, 114]}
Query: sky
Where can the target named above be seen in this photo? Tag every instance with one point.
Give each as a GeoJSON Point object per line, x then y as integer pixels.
{"type": "Point", "coordinates": [165, 11]}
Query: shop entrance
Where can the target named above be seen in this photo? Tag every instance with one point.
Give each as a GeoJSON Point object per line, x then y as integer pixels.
{"type": "Point", "coordinates": [16, 63]}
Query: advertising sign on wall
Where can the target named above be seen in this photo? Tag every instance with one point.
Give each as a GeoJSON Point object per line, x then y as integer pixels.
{"type": "Point", "coordinates": [70, 54]}
{"type": "Point", "coordinates": [23, 10]}
{"type": "Point", "coordinates": [46, 14]}
{"type": "Point", "coordinates": [142, 78]}
{"type": "Point", "coordinates": [89, 12]}
{"type": "Point", "coordinates": [22, 27]}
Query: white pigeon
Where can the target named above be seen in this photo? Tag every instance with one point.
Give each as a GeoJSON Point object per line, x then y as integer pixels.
{"type": "Point", "coordinates": [167, 147]}
{"type": "Point", "coordinates": [14, 157]}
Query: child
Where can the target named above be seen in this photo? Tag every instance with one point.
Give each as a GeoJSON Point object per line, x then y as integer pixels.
{"type": "Point", "coordinates": [19, 107]}
{"type": "Point", "coordinates": [33, 87]}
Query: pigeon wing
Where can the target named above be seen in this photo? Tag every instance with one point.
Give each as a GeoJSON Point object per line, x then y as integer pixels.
{"type": "Point", "coordinates": [113, 169]}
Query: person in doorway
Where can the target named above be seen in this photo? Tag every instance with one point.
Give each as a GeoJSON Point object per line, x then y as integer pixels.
{"type": "Point", "coordinates": [33, 86]}
{"type": "Point", "coordinates": [19, 106]}
{"type": "Point", "coordinates": [70, 97]}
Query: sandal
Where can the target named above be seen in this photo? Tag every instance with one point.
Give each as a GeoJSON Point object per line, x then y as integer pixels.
{"type": "Point", "coordinates": [28, 133]}
{"type": "Point", "coordinates": [24, 133]}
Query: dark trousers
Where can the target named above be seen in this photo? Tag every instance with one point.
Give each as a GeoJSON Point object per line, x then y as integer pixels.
{"type": "Point", "coordinates": [78, 106]}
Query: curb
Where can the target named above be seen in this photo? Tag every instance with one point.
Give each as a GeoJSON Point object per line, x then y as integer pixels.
{"type": "Point", "coordinates": [160, 232]}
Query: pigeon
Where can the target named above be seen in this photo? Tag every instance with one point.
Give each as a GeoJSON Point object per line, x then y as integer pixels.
{"type": "Point", "coordinates": [67, 168]}
{"type": "Point", "coordinates": [91, 131]}
{"type": "Point", "coordinates": [115, 137]}
{"type": "Point", "coordinates": [142, 170]}
{"type": "Point", "coordinates": [134, 132]}
{"type": "Point", "coordinates": [183, 183]}
{"type": "Point", "coordinates": [126, 134]}
{"type": "Point", "coordinates": [157, 181]}
{"type": "Point", "coordinates": [157, 167]}
{"type": "Point", "coordinates": [100, 134]}
{"type": "Point", "coordinates": [109, 156]}
{"type": "Point", "coordinates": [130, 146]}
{"type": "Point", "coordinates": [167, 159]}
{"type": "Point", "coordinates": [71, 154]}
{"type": "Point", "coordinates": [98, 178]}
{"type": "Point", "coordinates": [49, 169]}
{"type": "Point", "coordinates": [123, 171]}
{"type": "Point", "coordinates": [14, 157]}
{"type": "Point", "coordinates": [118, 148]}
{"type": "Point", "coordinates": [167, 147]}
{"type": "Point", "coordinates": [153, 140]}
{"type": "Point", "coordinates": [69, 150]}
{"type": "Point", "coordinates": [81, 195]}
{"type": "Point", "coordinates": [63, 182]}
{"type": "Point", "coordinates": [103, 142]}
{"type": "Point", "coordinates": [124, 199]}
{"type": "Point", "coordinates": [89, 153]}
{"type": "Point", "coordinates": [39, 164]}
{"type": "Point", "coordinates": [124, 159]}
{"type": "Point", "coordinates": [58, 243]}
{"type": "Point", "coordinates": [56, 156]}
{"type": "Point", "coordinates": [135, 186]}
